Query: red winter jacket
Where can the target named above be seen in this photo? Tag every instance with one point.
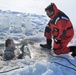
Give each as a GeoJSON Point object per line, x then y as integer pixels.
{"type": "Point", "coordinates": [60, 25]}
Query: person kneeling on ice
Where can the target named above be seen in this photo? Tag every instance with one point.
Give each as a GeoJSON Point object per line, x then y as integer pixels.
{"type": "Point", "coordinates": [9, 52]}
{"type": "Point", "coordinates": [60, 29]}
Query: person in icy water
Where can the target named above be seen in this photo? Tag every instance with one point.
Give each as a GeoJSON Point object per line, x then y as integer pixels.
{"type": "Point", "coordinates": [59, 29]}
{"type": "Point", "coordinates": [9, 52]}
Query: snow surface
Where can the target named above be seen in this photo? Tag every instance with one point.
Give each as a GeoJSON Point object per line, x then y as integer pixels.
{"type": "Point", "coordinates": [41, 62]}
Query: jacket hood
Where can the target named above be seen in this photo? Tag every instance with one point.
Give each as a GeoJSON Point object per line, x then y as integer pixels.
{"type": "Point", "coordinates": [56, 11]}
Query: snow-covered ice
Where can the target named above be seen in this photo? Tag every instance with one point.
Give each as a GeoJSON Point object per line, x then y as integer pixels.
{"type": "Point", "coordinates": [41, 62]}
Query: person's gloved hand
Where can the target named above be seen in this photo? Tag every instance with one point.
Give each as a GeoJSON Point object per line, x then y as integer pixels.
{"type": "Point", "coordinates": [57, 41]}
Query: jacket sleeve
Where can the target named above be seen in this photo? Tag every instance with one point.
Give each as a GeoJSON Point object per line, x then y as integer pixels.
{"type": "Point", "coordinates": [62, 26]}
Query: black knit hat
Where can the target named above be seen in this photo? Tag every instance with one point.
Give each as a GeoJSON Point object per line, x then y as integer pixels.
{"type": "Point", "coordinates": [50, 8]}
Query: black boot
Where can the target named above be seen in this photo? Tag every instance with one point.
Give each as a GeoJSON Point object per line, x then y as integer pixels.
{"type": "Point", "coordinates": [73, 50]}
{"type": "Point", "coordinates": [20, 56]}
{"type": "Point", "coordinates": [48, 45]}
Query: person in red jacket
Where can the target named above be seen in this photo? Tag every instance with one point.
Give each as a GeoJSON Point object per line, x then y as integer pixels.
{"type": "Point", "coordinates": [60, 29]}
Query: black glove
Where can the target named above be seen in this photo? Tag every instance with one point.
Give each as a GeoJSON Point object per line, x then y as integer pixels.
{"type": "Point", "coordinates": [57, 41]}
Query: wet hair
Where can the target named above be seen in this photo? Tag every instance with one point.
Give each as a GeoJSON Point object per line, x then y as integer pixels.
{"type": "Point", "coordinates": [49, 8]}
{"type": "Point", "coordinates": [8, 41]}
